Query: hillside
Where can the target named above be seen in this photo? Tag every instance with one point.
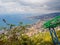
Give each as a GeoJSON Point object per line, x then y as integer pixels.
{"type": "Point", "coordinates": [28, 35]}
{"type": "Point", "coordinates": [46, 16]}
{"type": "Point", "coordinates": [37, 27]}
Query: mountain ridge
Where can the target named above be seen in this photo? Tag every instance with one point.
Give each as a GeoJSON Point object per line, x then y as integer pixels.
{"type": "Point", "coordinates": [46, 16]}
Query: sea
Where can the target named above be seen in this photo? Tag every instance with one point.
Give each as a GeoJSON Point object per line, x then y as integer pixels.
{"type": "Point", "coordinates": [15, 19]}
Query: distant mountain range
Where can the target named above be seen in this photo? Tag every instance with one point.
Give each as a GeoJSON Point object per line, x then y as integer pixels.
{"type": "Point", "coordinates": [46, 16]}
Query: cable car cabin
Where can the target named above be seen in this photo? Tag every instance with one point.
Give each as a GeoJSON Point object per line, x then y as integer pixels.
{"type": "Point", "coordinates": [51, 24]}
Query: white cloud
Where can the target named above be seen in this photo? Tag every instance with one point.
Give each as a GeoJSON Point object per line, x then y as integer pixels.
{"type": "Point", "coordinates": [34, 1]}
{"type": "Point", "coordinates": [25, 6]}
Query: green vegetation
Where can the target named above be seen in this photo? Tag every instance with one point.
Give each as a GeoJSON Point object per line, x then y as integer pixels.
{"type": "Point", "coordinates": [17, 36]}
{"type": "Point", "coordinates": [12, 38]}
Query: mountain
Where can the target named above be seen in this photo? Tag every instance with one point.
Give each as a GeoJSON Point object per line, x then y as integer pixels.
{"type": "Point", "coordinates": [46, 16]}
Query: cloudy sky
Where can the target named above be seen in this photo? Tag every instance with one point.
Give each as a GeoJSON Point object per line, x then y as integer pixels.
{"type": "Point", "coordinates": [29, 6]}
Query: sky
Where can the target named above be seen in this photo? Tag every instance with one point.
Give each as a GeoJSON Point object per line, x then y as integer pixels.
{"type": "Point", "coordinates": [29, 6]}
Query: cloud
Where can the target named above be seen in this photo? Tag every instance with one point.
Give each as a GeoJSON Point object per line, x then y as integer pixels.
{"type": "Point", "coordinates": [54, 5]}
{"type": "Point", "coordinates": [29, 6]}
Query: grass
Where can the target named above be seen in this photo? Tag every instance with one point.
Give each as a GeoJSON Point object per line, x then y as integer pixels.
{"type": "Point", "coordinates": [38, 39]}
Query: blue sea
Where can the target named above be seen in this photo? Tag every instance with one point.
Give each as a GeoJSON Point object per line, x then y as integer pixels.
{"type": "Point", "coordinates": [15, 19]}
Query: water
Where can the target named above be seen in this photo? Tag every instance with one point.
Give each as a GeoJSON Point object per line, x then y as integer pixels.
{"type": "Point", "coordinates": [15, 19]}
